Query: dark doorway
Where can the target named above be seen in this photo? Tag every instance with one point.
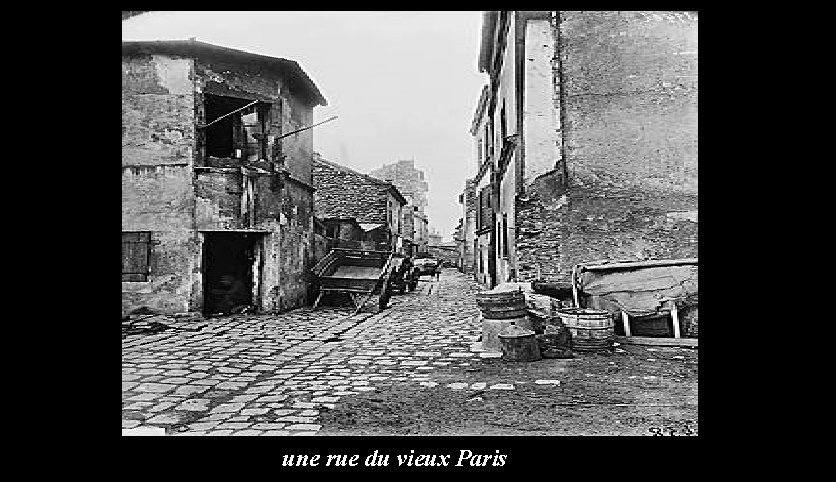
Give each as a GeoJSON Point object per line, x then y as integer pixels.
{"type": "Point", "coordinates": [228, 271]}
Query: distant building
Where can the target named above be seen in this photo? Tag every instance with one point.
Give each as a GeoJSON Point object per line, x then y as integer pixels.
{"type": "Point", "coordinates": [409, 180]}
{"type": "Point", "coordinates": [375, 204]}
{"type": "Point", "coordinates": [411, 183]}
{"type": "Point", "coordinates": [217, 207]}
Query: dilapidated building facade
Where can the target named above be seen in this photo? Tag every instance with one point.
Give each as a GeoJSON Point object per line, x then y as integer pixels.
{"type": "Point", "coordinates": [217, 195]}
{"type": "Point", "coordinates": [375, 204]}
{"type": "Point", "coordinates": [466, 236]}
{"type": "Point", "coordinates": [586, 141]}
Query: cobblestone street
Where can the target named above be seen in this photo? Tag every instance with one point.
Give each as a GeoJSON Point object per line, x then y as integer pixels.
{"type": "Point", "coordinates": [271, 375]}
{"type": "Point", "coordinates": [282, 375]}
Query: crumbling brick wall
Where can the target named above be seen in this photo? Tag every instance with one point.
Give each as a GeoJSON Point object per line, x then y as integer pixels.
{"type": "Point", "coordinates": [541, 225]}
{"type": "Point", "coordinates": [469, 227]}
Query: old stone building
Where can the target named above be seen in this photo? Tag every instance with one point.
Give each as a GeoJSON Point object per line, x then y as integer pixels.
{"type": "Point", "coordinates": [466, 230]}
{"type": "Point", "coordinates": [411, 183]}
{"type": "Point", "coordinates": [586, 141]}
{"type": "Point", "coordinates": [375, 204]}
{"type": "Point", "coordinates": [217, 200]}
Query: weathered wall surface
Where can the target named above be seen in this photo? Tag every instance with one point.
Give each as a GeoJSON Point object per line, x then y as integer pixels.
{"type": "Point", "coordinates": [631, 134]}
{"type": "Point", "coordinates": [540, 118]}
{"type": "Point", "coordinates": [289, 250]}
{"type": "Point", "coordinates": [157, 149]}
{"type": "Point", "coordinates": [343, 193]}
{"type": "Point", "coordinates": [626, 188]}
{"type": "Point", "coordinates": [469, 227]}
{"type": "Point", "coordinates": [541, 226]}
{"type": "Point", "coordinates": [157, 111]}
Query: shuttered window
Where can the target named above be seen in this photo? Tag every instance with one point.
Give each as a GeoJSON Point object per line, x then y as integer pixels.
{"type": "Point", "coordinates": [136, 247]}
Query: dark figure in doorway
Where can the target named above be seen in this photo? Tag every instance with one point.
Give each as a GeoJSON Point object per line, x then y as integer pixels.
{"type": "Point", "coordinates": [230, 293]}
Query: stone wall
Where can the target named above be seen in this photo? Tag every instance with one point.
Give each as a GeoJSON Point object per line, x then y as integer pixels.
{"type": "Point", "coordinates": [157, 148]}
{"type": "Point", "coordinates": [631, 135]}
{"type": "Point", "coordinates": [626, 185]}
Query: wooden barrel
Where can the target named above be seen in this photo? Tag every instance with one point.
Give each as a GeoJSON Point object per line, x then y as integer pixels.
{"type": "Point", "coordinates": [502, 305]}
{"type": "Point", "coordinates": [592, 330]}
{"type": "Point", "coordinates": [519, 344]}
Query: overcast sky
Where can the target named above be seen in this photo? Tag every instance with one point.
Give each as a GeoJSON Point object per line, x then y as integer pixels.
{"type": "Point", "coordinates": [404, 84]}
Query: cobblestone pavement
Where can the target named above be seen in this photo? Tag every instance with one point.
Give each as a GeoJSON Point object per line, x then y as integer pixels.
{"type": "Point", "coordinates": [273, 374]}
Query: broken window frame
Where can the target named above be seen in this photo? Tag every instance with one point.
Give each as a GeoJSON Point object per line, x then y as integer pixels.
{"type": "Point", "coordinates": [136, 261]}
{"type": "Point", "coordinates": [243, 146]}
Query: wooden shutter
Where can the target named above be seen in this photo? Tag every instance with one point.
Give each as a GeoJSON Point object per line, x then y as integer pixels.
{"type": "Point", "coordinates": [135, 254]}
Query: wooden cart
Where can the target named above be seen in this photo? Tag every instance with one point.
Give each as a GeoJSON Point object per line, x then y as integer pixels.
{"type": "Point", "coordinates": [357, 272]}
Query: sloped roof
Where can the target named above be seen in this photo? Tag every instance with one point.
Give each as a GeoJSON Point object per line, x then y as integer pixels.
{"type": "Point", "coordinates": [381, 182]}
{"type": "Point", "coordinates": [203, 50]}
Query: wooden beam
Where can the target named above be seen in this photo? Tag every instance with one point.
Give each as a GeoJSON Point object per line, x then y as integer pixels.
{"type": "Point", "coordinates": [640, 264]}
{"type": "Point", "coordinates": [641, 340]}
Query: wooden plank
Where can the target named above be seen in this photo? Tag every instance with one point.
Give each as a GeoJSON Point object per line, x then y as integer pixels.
{"type": "Point", "coordinates": [625, 320]}
{"type": "Point", "coordinates": [642, 264]}
{"type": "Point", "coordinates": [641, 340]}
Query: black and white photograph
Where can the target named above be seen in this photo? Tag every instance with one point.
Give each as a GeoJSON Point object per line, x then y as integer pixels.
{"type": "Point", "coordinates": [409, 223]}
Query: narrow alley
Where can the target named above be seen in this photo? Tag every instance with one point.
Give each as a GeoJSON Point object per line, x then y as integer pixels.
{"type": "Point", "coordinates": [416, 368]}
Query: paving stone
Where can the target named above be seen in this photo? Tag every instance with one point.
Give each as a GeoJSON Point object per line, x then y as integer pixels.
{"type": "Point", "coordinates": [130, 423]}
{"type": "Point", "coordinates": [478, 386]}
{"type": "Point", "coordinates": [154, 387]}
{"type": "Point", "coordinates": [254, 411]}
{"type": "Point", "coordinates": [190, 389]}
{"type": "Point", "coordinates": [268, 426]}
{"type": "Point", "coordinates": [144, 397]}
{"type": "Point", "coordinates": [280, 412]}
{"type": "Point", "coordinates": [325, 399]}
{"type": "Point", "coordinates": [164, 418]}
{"type": "Point", "coordinates": [176, 380]}
{"type": "Point", "coordinates": [233, 425]}
{"type": "Point", "coordinates": [304, 426]}
{"type": "Point", "coordinates": [228, 407]}
{"type": "Point", "coordinates": [144, 431]}
{"type": "Point", "coordinates": [490, 354]}
{"type": "Point", "coordinates": [203, 426]}
{"type": "Point", "coordinates": [296, 419]}
{"type": "Point", "coordinates": [276, 433]}
{"type": "Point", "coordinates": [458, 386]}
{"type": "Point", "coordinates": [502, 386]}
{"type": "Point", "coordinates": [547, 382]}
{"type": "Point", "coordinates": [195, 405]}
